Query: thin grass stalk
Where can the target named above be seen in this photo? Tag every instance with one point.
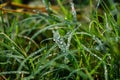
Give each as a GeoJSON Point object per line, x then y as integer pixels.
{"type": "Point", "coordinates": [73, 11]}
{"type": "Point", "coordinates": [7, 37]}
{"type": "Point", "coordinates": [3, 23]}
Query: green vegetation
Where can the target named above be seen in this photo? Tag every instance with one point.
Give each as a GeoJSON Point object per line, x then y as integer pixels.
{"type": "Point", "coordinates": [57, 46]}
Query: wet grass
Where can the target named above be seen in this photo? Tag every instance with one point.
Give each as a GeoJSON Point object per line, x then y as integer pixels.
{"type": "Point", "coordinates": [57, 46]}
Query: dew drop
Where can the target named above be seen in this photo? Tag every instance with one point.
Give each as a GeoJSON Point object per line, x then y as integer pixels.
{"type": "Point", "coordinates": [61, 42]}
{"type": "Point", "coordinates": [53, 39]}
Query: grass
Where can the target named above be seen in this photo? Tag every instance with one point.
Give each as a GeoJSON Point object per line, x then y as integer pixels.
{"type": "Point", "coordinates": [57, 46]}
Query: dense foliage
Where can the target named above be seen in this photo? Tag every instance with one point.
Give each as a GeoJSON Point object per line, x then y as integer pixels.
{"type": "Point", "coordinates": [72, 43]}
